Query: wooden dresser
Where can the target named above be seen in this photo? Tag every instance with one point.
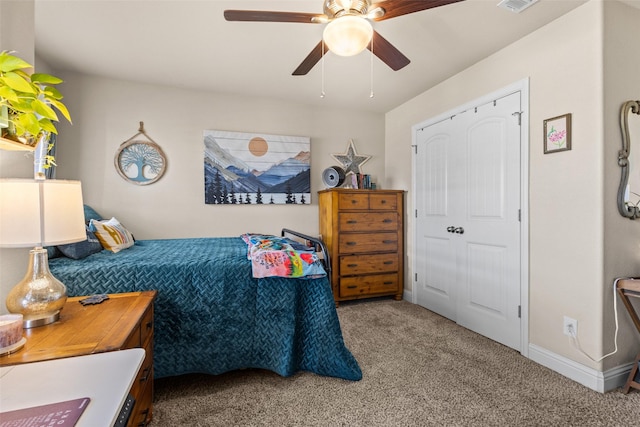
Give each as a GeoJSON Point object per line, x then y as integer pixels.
{"type": "Point", "coordinates": [121, 322]}
{"type": "Point", "coordinates": [363, 231]}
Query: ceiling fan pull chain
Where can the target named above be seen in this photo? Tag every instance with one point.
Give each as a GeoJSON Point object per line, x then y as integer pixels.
{"type": "Point", "coordinates": [371, 63]}
{"type": "Point", "coordinates": [322, 66]}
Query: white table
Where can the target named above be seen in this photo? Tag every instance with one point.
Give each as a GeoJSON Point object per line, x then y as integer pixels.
{"type": "Point", "coordinates": [106, 378]}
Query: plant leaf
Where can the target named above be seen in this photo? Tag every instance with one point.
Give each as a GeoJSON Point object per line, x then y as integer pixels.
{"type": "Point", "coordinates": [52, 92]}
{"type": "Point", "coordinates": [22, 106]}
{"type": "Point", "coordinates": [46, 125]}
{"type": "Point", "coordinates": [20, 130]}
{"type": "Point", "coordinates": [28, 122]}
{"type": "Point", "coordinates": [45, 79]}
{"type": "Point", "coordinates": [12, 63]}
{"type": "Point", "coordinates": [17, 83]}
{"type": "Point", "coordinates": [62, 108]}
{"type": "Point", "coordinates": [7, 93]}
{"type": "Point", "coordinates": [44, 110]}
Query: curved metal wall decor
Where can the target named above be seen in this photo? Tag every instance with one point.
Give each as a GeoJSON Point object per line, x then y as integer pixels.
{"type": "Point", "coordinates": [140, 162]}
{"type": "Point", "coordinates": [625, 207]}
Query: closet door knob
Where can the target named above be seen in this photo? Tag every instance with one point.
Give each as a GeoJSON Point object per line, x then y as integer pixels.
{"type": "Point", "coordinates": [459, 230]}
{"type": "Point", "coordinates": [451, 229]}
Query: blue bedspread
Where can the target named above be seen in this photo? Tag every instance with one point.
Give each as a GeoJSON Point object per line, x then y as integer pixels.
{"type": "Point", "coordinates": [211, 316]}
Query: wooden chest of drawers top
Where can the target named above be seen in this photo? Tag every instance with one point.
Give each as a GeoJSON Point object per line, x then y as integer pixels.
{"type": "Point", "coordinates": [122, 321]}
{"type": "Point", "coordinates": [367, 201]}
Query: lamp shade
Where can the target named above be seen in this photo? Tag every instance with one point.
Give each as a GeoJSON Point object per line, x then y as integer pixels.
{"type": "Point", "coordinates": [40, 212]}
{"type": "Point", "coordinates": [347, 35]}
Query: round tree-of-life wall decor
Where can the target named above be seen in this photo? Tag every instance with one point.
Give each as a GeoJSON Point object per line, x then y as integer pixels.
{"type": "Point", "coordinates": [140, 162]}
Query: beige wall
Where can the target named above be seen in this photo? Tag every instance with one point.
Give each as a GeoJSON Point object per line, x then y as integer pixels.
{"type": "Point", "coordinates": [107, 112]}
{"type": "Point", "coordinates": [17, 24]}
{"type": "Point", "coordinates": [622, 236]}
{"type": "Point", "coordinates": [566, 190]}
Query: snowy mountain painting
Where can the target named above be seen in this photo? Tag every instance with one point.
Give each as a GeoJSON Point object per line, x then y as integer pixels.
{"type": "Point", "coordinates": [250, 168]}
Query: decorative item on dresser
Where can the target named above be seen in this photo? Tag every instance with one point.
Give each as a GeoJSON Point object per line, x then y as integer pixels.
{"type": "Point", "coordinates": [121, 322]}
{"type": "Point", "coordinates": [363, 231]}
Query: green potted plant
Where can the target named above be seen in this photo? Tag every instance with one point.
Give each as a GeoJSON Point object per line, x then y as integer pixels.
{"type": "Point", "coordinates": [28, 102]}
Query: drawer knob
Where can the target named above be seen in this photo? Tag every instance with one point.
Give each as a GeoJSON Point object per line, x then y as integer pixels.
{"type": "Point", "coordinates": [351, 243]}
{"type": "Point", "coordinates": [351, 287]}
{"type": "Point", "coordinates": [352, 221]}
{"type": "Point", "coordinates": [388, 242]}
{"type": "Point", "coordinates": [388, 283]}
{"type": "Point", "coordinates": [387, 221]}
{"type": "Point", "coordinates": [352, 265]}
{"type": "Point", "coordinates": [149, 325]}
{"type": "Point", "coordinates": [383, 201]}
{"type": "Point", "coordinates": [388, 262]}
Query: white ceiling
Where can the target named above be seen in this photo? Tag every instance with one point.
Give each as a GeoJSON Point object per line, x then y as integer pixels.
{"type": "Point", "coordinates": [187, 43]}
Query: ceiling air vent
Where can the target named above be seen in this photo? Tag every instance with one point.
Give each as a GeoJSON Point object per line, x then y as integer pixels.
{"type": "Point", "coordinates": [516, 6]}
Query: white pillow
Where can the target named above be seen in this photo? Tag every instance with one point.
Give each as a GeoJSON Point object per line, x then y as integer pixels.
{"type": "Point", "coordinates": [112, 235]}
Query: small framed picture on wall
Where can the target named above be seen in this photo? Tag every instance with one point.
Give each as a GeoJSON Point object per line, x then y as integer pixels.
{"type": "Point", "coordinates": [557, 134]}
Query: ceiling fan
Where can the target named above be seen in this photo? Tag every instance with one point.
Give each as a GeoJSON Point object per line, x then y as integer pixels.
{"type": "Point", "coordinates": [348, 30]}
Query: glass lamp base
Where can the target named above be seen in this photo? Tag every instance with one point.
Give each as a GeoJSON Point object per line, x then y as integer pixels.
{"type": "Point", "coordinates": [39, 296]}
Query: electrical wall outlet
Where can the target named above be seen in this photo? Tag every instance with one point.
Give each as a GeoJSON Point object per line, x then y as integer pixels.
{"type": "Point", "coordinates": [570, 326]}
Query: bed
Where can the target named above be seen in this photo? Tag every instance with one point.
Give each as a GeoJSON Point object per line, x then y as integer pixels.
{"type": "Point", "coordinates": [212, 316]}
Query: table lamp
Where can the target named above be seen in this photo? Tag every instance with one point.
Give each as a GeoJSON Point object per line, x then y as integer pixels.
{"type": "Point", "coordinates": [38, 213]}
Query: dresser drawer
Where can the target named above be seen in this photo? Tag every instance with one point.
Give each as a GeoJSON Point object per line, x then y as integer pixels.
{"type": "Point", "coordinates": [368, 285]}
{"type": "Point", "coordinates": [353, 201]}
{"type": "Point", "coordinates": [146, 326]}
{"type": "Point", "coordinates": [145, 375]}
{"type": "Point", "coordinates": [368, 221]}
{"type": "Point", "coordinates": [383, 202]}
{"type": "Point", "coordinates": [368, 264]}
{"type": "Point", "coordinates": [143, 408]}
{"type": "Point", "coordinates": [134, 339]}
{"type": "Point", "coordinates": [368, 242]}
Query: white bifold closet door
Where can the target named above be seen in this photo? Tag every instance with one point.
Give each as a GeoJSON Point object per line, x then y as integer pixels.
{"type": "Point", "coordinates": [468, 219]}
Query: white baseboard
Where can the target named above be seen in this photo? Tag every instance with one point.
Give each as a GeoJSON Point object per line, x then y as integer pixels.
{"type": "Point", "coordinates": [588, 377]}
{"type": "Point", "coordinates": [407, 296]}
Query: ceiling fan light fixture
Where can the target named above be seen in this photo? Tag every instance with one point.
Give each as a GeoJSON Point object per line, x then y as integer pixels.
{"type": "Point", "coordinates": [348, 35]}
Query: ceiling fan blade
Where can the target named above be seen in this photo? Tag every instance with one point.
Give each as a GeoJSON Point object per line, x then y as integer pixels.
{"type": "Point", "coordinates": [267, 16]}
{"type": "Point", "coordinates": [395, 8]}
{"type": "Point", "coordinates": [311, 60]}
{"type": "Point", "coordinates": [388, 52]}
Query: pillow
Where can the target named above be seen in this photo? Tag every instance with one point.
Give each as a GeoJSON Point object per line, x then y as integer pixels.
{"type": "Point", "coordinates": [52, 252]}
{"type": "Point", "coordinates": [82, 249]}
{"type": "Point", "coordinates": [112, 235]}
{"type": "Point", "coordinates": [90, 214]}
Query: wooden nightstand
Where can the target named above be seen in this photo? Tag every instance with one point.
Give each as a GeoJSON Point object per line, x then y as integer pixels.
{"type": "Point", "coordinates": [123, 321]}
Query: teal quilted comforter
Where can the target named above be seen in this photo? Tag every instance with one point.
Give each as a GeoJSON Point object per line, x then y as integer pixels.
{"type": "Point", "coordinates": [212, 316]}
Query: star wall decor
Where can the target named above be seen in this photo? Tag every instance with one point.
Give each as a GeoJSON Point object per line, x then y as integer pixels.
{"type": "Point", "coordinates": [350, 160]}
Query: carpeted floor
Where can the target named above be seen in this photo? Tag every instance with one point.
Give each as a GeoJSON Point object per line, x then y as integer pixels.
{"type": "Point", "coordinates": [419, 369]}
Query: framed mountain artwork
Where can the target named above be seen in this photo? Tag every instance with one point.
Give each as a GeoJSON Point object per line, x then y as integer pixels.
{"type": "Point", "coordinates": [256, 169]}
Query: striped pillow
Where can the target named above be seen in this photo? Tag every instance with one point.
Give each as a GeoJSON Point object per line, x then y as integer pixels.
{"type": "Point", "coordinates": [112, 235]}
